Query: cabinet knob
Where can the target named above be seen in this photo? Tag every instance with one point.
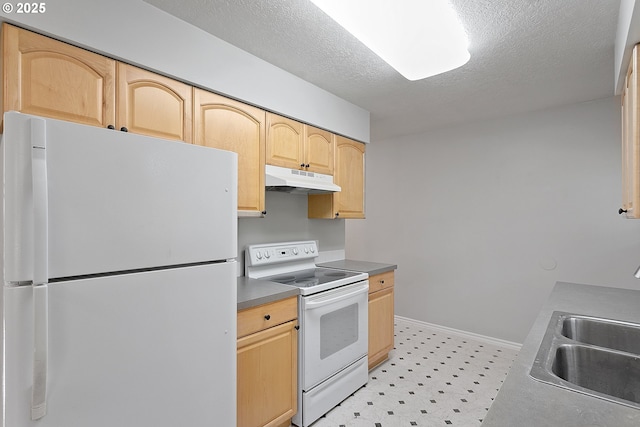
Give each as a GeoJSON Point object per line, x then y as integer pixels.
{"type": "Point", "coordinates": [112, 127]}
{"type": "Point", "coordinates": [307, 165]}
{"type": "Point", "coordinates": [124, 129]}
{"type": "Point", "coordinates": [301, 165]}
{"type": "Point", "coordinates": [621, 211]}
{"type": "Point", "coordinates": [382, 282]}
{"type": "Point", "coordinates": [297, 327]}
{"type": "Point", "coordinates": [263, 212]}
{"type": "Point", "coordinates": [337, 214]}
{"type": "Point", "coordinates": [267, 317]}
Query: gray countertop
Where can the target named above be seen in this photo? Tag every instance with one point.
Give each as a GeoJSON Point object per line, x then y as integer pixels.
{"type": "Point", "coordinates": [361, 266]}
{"type": "Point", "coordinates": [254, 292]}
{"type": "Point", "coordinates": [523, 401]}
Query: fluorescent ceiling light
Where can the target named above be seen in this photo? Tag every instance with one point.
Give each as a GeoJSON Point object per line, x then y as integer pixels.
{"type": "Point", "coordinates": [419, 38]}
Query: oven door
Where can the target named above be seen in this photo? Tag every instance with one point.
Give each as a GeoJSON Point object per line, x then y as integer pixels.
{"type": "Point", "coordinates": [335, 331]}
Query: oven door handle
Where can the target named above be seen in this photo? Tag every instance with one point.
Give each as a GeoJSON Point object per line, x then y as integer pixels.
{"type": "Point", "coordinates": [336, 296]}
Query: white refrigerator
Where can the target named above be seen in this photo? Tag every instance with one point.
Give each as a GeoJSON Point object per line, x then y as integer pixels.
{"type": "Point", "coordinates": [119, 272]}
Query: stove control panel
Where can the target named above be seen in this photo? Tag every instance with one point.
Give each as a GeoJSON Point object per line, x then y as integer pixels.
{"type": "Point", "coordinates": [273, 253]}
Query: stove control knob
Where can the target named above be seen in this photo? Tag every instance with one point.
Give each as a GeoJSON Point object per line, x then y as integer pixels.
{"type": "Point", "coordinates": [258, 255]}
{"type": "Point", "coordinates": [267, 255]}
{"type": "Point", "coordinates": [312, 249]}
{"type": "Point", "coordinates": [306, 250]}
{"type": "Point", "coordinates": [295, 251]}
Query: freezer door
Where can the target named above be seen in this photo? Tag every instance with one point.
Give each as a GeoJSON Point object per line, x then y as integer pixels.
{"type": "Point", "coordinates": [152, 349]}
{"type": "Point", "coordinates": [116, 201]}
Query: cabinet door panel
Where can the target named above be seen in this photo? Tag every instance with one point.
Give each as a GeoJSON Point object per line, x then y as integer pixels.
{"type": "Point", "coordinates": [267, 376]}
{"type": "Point", "coordinates": [319, 150]}
{"type": "Point", "coordinates": [380, 325]}
{"type": "Point", "coordinates": [230, 125]}
{"type": "Point", "coordinates": [284, 142]}
{"type": "Point", "coordinates": [154, 105]}
{"type": "Point", "coordinates": [350, 176]}
{"type": "Point", "coordinates": [49, 78]}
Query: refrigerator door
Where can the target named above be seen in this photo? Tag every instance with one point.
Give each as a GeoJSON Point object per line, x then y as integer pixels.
{"type": "Point", "coordinates": [149, 349]}
{"type": "Point", "coordinates": [116, 201]}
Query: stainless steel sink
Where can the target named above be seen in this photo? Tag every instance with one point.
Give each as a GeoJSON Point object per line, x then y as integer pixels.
{"type": "Point", "coordinates": [610, 373]}
{"type": "Point", "coordinates": [606, 333]}
{"type": "Point", "coordinates": [589, 355]}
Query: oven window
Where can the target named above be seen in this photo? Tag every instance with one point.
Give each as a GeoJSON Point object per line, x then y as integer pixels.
{"type": "Point", "coordinates": [338, 330]}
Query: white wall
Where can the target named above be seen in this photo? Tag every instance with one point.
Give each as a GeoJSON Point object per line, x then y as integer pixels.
{"type": "Point", "coordinates": [483, 219]}
{"type": "Point", "coordinates": [141, 34]}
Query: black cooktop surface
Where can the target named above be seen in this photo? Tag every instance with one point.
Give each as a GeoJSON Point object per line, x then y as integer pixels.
{"type": "Point", "coordinates": [311, 277]}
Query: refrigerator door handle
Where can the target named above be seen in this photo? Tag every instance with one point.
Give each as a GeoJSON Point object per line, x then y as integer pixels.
{"type": "Point", "coordinates": [40, 267]}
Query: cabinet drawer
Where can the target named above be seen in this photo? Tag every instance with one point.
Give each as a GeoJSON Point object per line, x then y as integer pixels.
{"type": "Point", "coordinates": [267, 315]}
{"type": "Point", "coordinates": [381, 281]}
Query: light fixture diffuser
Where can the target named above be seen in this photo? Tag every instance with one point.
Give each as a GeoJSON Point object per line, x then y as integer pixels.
{"type": "Point", "coordinates": [419, 38]}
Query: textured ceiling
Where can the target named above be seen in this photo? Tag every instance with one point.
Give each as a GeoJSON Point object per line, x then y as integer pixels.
{"type": "Point", "coordinates": [525, 55]}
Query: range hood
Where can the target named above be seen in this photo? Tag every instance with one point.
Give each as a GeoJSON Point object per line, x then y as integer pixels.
{"type": "Point", "coordinates": [298, 181]}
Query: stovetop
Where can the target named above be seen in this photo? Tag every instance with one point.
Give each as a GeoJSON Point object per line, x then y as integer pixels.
{"type": "Point", "coordinates": [314, 280]}
{"type": "Point", "coordinates": [313, 277]}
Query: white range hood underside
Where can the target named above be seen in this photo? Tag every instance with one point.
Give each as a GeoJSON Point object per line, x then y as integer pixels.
{"type": "Point", "coordinates": [298, 181]}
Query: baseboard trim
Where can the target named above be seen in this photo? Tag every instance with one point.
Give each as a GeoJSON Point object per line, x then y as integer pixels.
{"type": "Point", "coordinates": [489, 340]}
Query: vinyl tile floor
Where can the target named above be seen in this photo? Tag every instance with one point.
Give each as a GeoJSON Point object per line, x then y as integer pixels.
{"type": "Point", "coordinates": [432, 378]}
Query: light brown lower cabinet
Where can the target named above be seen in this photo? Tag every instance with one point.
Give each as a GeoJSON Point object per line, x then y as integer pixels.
{"type": "Point", "coordinates": [380, 317]}
{"type": "Point", "coordinates": [267, 365]}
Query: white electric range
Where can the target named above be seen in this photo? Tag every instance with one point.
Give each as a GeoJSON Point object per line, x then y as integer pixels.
{"type": "Point", "coordinates": [333, 318]}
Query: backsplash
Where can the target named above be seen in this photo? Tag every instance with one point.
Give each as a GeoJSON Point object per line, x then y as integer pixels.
{"type": "Point", "coordinates": [286, 220]}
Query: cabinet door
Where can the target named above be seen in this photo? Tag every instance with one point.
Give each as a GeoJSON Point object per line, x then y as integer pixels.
{"type": "Point", "coordinates": [631, 140]}
{"type": "Point", "coordinates": [285, 142]}
{"type": "Point", "coordinates": [319, 149]}
{"type": "Point", "coordinates": [231, 125]}
{"type": "Point", "coordinates": [267, 376]}
{"type": "Point", "coordinates": [349, 175]}
{"type": "Point", "coordinates": [49, 78]}
{"type": "Point", "coordinates": [154, 105]}
{"type": "Point", "coordinates": [380, 325]}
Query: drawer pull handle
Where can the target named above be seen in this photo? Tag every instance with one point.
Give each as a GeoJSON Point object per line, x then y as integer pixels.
{"type": "Point", "coordinates": [267, 317]}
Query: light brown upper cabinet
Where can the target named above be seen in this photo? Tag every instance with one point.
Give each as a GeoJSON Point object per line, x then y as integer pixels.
{"type": "Point", "coordinates": [631, 139]}
{"type": "Point", "coordinates": [154, 105]}
{"type": "Point", "coordinates": [294, 145]}
{"type": "Point", "coordinates": [285, 142]}
{"type": "Point", "coordinates": [349, 175]}
{"type": "Point", "coordinates": [50, 78]}
{"type": "Point", "coordinates": [319, 150]}
{"type": "Point", "coordinates": [231, 125]}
